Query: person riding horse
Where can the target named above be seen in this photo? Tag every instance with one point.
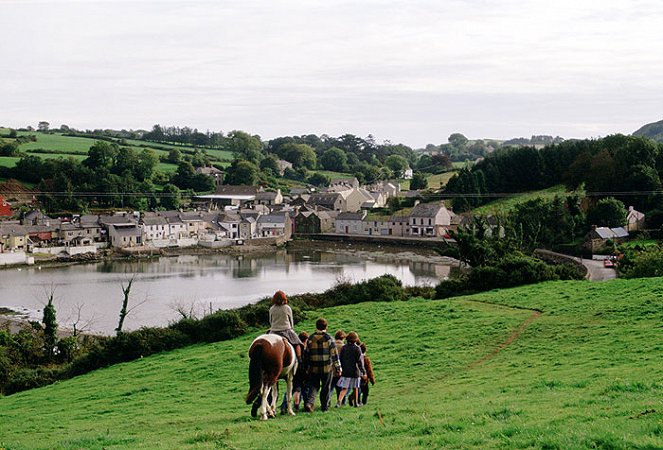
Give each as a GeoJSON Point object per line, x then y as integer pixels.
{"type": "Point", "coordinates": [282, 323]}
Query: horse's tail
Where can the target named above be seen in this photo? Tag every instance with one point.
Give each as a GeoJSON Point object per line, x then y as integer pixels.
{"type": "Point", "coordinates": [255, 374]}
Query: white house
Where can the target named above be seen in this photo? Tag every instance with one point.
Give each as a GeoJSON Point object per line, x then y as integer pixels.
{"type": "Point", "coordinates": [429, 220]}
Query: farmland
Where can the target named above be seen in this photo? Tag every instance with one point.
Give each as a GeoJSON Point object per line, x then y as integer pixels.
{"type": "Point", "coordinates": [484, 371]}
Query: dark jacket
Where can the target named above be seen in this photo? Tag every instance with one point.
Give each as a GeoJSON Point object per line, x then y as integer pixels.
{"type": "Point", "coordinates": [351, 361]}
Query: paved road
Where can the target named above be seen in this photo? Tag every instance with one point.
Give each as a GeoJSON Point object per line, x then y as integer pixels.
{"type": "Point", "coordinates": [596, 270]}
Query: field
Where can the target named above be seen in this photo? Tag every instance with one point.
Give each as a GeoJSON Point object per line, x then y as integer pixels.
{"type": "Point", "coordinates": [485, 371]}
{"type": "Point", "coordinates": [507, 203]}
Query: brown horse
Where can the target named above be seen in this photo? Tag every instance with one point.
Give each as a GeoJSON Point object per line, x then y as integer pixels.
{"type": "Point", "coordinates": [271, 357]}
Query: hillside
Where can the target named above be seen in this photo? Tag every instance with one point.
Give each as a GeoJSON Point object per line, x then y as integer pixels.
{"type": "Point", "coordinates": [652, 130]}
{"type": "Point", "coordinates": [473, 372]}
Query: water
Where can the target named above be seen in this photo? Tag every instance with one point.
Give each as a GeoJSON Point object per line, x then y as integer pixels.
{"type": "Point", "coordinates": [90, 295]}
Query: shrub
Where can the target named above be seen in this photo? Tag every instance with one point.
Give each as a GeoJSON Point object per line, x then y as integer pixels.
{"type": "Point", "coordinates": [641, 264]}
{"type": "Point", "coordinates": [510, 271]}
{"type": "Point", "coordinates": [31, 378]}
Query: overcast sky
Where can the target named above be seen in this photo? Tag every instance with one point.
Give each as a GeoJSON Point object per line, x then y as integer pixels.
{"type": "Point", "coordinates": [406, 71]}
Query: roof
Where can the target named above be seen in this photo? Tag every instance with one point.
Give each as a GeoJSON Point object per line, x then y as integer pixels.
{"type": "Point", "coordinates": [237, 190]}
{"type": "Point", "coordinates": [127, 231]}
{"type": "Point", "coordinates": [155, 220]}
{"type": "Point", "coordinates": [271, 218]}
{"type": "Point", "coordinates": [611, 233]}
{"type": "Point", "coordinates": [426, 209]}
{"type": "Point", "coordinates": [351, 215]}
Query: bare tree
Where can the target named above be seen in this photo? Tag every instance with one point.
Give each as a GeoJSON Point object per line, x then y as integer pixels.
{"type": "Point", "coordinates": [77, 323]}
{"type": "Point", "coordinates": [125, 310]}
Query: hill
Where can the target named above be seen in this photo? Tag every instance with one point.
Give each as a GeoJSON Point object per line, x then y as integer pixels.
{"type": "Point", "coordinates": [485, 371]}
{"type": "Point", "coordinates": [652, 130]}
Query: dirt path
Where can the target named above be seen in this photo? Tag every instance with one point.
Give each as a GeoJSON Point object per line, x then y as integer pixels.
{"type": "Point", "coordinates": [515, 334]}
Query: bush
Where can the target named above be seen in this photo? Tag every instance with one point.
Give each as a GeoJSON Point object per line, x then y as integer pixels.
{"type": "Point", "coordinates": [219, 326]}
{"type": "Point", "coordinates": [510, 271]}
{"type": "Point", "coordinates": [25, 379]}
{"type": "Point", "coordinates": [642, 264]}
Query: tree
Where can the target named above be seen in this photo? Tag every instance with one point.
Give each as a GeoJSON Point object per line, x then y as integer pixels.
{"type": "Point", "coordinates": [270, 164]}
{"type": "Point", "coordinates": [8, 149]}
{"type": "Point", "coordinates": [319, 179]}
{"type": "Point", "coordinates": [419, 181]}
{"type": "Point", "coordinates": [242, 172]}
{"type": "Point", "coordinates": [397, 164]}
{"type": "Point", "coordinates": [334, 159]}
{"type": "Point", "coordinates": [458, 141]}
{"type": "Point", "coordinates": [124, 310]}
{"type": "Point", "coordinates": [43, 126]}
{"type": "Point", "coordinates": [608, 212]}
{"type": "Point", "coordinates": [174, 156]}
{"type": "Point", "coordinates": [101, 155]}
{"type": "Point", "coordinates": [50, 327]}
{"type": "Point", "coordinates": [245, 146]}
{"type": "Point", "coordinates": [171, 197]}
{"type": "Point", "coordinates": [300, 155]}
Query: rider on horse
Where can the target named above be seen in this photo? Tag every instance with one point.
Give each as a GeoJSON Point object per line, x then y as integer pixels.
{"type": "Point", "coordinates": [282, 323]}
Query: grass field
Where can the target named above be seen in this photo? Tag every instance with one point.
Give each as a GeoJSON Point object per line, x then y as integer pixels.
{"type": "Point", "coordinates": [507, 203]}
{"type": "Point", "coordinates": [473, 372]}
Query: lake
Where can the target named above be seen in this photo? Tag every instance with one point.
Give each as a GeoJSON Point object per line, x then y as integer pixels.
{"type": "Point", "coordinates": [91, 294]}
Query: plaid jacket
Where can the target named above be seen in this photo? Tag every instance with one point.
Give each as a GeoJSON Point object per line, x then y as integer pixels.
{"type": "Point", "coordinates": [321, 353]}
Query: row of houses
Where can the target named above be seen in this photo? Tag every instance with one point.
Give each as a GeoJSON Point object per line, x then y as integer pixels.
{"type": "Point", "coordinates": [156, 229]}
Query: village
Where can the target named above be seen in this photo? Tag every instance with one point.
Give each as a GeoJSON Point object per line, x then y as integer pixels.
{"type": "Point", "coordinates": [233, 215]}
{"type": "Point", "coordinates": [237, 215]}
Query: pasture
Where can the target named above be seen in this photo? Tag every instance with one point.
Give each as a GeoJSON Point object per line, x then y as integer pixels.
{"type": "Point", "coordinates": [509, 201]}
{"type": "Point", "coordinates": [482, 371]}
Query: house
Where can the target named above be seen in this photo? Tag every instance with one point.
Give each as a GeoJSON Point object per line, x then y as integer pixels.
{"type": "Point", "coordinates": [13, 237]}
{"type": "Point", "coordinates": [269, 198]}
{"type": "Point", "coordinates": [270, 225]}
{"type": "Point", "coordinates": [344, 183]}
{"type": "Point", "coordinates": [429, 220]}
{"type": "Point", "coordinates": [408, 174]}
{"type": "Point", "coordinates": [5, 208]}
{"type": "Point", "coordinates": [196, 221]}
{"type": "Point", "coordinates": [399, 226]}
{"type": "Point", "coordinates": [177, 229]}
{"type": "Point", "coordinates": [283, 165]}
{"type": "Point", "coordinates": [635, 220]}
{"type": "Point", "coordinates": [155, 228]}
{"type": "Point", "coordinates": [122, 235]}
{"type": "Point", "coordinates": [350, 222]}
{"type": "Point", "coordinates": [307, 222]}
{"type": "Point", "coordinates": [231, 195]}
{"type": "Point", "coordinates": [599, 236]}
{"type": "Point", "coordinates": [79, 233]}
{"type": "Point", "coordinates": [213, 172]}
{"type": "Point", "coordinates": [333, 201]}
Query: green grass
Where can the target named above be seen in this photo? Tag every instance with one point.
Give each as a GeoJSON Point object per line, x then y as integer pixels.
{"type": "Point", "coordinates": [587, 373]}
{"type": "Point", "coordinates": [508, 203]}
{"type": "Point", "coordinates": [8, 161]}
{"type": "Point", "coordinates": [642, 243]}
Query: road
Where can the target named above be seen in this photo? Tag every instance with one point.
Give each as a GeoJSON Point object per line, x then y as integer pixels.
{"type": "Point", "coordinates": [596, 270]}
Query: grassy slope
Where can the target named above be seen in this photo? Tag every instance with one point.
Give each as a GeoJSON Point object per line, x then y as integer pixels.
{"type": "Point", "coordinates": [507, 203]}
{"type": "Point", "coordinates": [585, 374]}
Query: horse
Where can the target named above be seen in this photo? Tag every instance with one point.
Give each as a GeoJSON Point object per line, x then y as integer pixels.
{"type": "Point", "coordinates": [271, 357]}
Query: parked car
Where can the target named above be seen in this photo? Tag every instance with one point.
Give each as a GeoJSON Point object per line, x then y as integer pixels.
{"type": "Point", "coordinates": [608, 263]}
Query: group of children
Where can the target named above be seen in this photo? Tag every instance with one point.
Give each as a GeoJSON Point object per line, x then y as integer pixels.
{"type": "Point", "coordinates": [326, 363]}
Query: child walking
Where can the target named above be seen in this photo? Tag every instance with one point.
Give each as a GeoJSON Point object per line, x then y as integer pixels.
{"type": "Point", "coordinates": [369, 377]}
{"type": "Point", "coordinates": [351, 368]}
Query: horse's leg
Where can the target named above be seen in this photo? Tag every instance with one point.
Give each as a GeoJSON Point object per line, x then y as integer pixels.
{"type": "Point", "coordinates": [288, 392]}
{"type": "Point", "coordinates": [263, 405]}
{"type": "Point", "coordinates": [275, 397]}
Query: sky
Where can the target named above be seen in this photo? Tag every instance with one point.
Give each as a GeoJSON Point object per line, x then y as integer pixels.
{"type": "Point", "coordinates": [410, 72]}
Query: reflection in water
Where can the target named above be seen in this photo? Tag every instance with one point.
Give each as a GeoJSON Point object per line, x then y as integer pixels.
{"type": "Point", "coordinates": [197, 283]}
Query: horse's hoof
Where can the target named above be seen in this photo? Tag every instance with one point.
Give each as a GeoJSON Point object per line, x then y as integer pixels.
{"type": "Point", "coordinates": [292, 413]}
{"type": "Point", "coordinates": [263, 417]}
